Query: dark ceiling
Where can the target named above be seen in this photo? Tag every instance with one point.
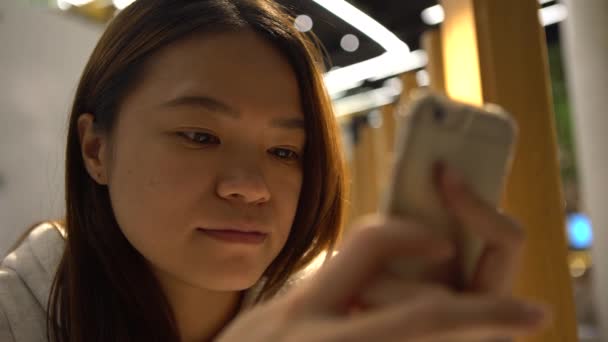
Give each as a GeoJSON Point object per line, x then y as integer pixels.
{"type": "Point", "coordinates": [402, 17]}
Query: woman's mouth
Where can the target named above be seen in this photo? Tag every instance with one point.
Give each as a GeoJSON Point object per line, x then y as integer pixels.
{"type": "Point", "coordinates": [234, 236]}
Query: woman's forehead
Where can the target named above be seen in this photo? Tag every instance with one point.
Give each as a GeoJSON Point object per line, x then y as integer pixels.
{"type": "Point", "coordinates": [240, 65]}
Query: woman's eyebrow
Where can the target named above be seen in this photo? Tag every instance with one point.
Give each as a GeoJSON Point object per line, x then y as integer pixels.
{"type": "Point", "coordinates": [289, 123]}
{"type": "Point", "coordinates": [205, 102]}
{"type": "Point", "coordinates": [220, 107]}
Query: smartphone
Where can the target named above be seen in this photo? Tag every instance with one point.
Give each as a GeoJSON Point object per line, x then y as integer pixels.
{"type": "Point", "coordinates": [476, 142]}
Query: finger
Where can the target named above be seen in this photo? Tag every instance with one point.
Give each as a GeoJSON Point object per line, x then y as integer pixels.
{"type": "Point", "coordinates": [429, 319]}
{"type": "Point", "coordinates": [480, 217]}
{"type": "Point", "coordinates": [502, 236]}
{"type": "Point", "coordinates": [483, 319]}
{"type": "Point", "coordinates": [390, 289]}
{"type": "Point", "coordinates": [496, 271]}
{"type": "Point", "coordinates": [364, 256]}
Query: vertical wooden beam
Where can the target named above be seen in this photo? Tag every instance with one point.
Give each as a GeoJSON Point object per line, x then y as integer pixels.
{"type": "Point", "coordinates": [495, 51]}
{"type": "Point", "coordinates": [431, 43]}
{"type": "Point", "coordinates": [366, 181]}
{"type": "Point", "coordinates": [409, 84]}
{"type": "Point", "coordinates": [388, 131]}
{"type": "Point", "coordinates": [388, 125]}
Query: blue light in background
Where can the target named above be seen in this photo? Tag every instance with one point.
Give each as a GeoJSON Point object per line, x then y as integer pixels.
{"type": "Point", "coordinates": [580, 233]}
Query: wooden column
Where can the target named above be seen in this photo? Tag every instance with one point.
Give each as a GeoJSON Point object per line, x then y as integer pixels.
{"type": "Point", "coordinates": [431, 43]}
{"type": "Point", "coordinates": [495, 51]}
{"type": "Point", "coordinates": [366, 171]}
{"type": "Point", "coordinates": [409, 84]}
{"type": "Point", "coordinates": [361, 169]}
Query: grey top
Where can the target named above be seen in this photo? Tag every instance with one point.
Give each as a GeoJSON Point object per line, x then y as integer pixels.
{"type": "Point", "coordinates": [25, 281]}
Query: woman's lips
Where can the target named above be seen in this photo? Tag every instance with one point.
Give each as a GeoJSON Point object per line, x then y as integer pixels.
{"type": "Point", "coordinates": [234, 236]}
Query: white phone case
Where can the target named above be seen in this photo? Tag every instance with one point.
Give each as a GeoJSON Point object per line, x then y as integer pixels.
{"type": "Point", "coordinates": [476, 142]}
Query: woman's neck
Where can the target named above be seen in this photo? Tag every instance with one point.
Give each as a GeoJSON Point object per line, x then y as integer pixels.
{"type": "Point", "coordinates": [200, 314]}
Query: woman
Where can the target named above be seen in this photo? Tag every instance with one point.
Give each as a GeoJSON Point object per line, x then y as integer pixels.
{"type": "Point", "coordinates": [202, 173]}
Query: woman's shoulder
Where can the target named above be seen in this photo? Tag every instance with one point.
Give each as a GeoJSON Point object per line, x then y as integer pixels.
{"type": "Point", "coordinates": [26, 275]}
{"type": "Point", "coordinates": [5, 329]}
{"type": "Point", "coordinates": [22, 318]}
{"type": "Point", "coordinates": [37, 255]}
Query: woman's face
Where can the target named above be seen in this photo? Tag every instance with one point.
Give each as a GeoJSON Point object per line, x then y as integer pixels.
{"type": "Point", "coordinates": [208, 146]}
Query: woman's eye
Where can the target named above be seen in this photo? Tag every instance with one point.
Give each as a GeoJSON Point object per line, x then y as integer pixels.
{"type": "Point", "coordinates": [201, 137]}
{"type": "Point", "coordinates": [283, 153]}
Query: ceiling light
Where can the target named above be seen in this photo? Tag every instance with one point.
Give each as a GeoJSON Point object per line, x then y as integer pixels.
{"type": "Point", "coordinates": [303, 23]}
{"type": "Point", "coordinates": [433, 15]}
{"type": "Point", "coordinates": [552, 14]}
{"type": "Point", "coordinates": [364, 101]}
{"type": "Point", "coordinates": [349, 43]}
{"type": "Point", "coordinates": [383, 66]}
{"type": "Point", "coordinates": [364, 23]}
{"type": "Point", "coordinates": [397, 58]}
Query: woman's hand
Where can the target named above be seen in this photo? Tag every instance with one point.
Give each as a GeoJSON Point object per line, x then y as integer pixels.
{"type": "Point", "coordinates": [503, 238]}
{"type": "Point", "coordinates": [353, 298]}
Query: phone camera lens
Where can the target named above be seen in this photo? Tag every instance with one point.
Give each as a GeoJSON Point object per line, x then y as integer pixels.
{"type": "Point", "coordinates": [439, 114]}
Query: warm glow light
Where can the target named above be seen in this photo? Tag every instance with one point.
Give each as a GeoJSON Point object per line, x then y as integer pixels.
{"type": "Point", "coordinates": [577, 267]}
{"type": "Point", "coordinates": [579, 262]}
{"type": "Point", "coordinates": [549, 15]}
{"type": "Point", "coordinates": [462, 74]}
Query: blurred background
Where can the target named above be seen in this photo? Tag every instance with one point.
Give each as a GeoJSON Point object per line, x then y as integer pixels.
{"type": "Point", "coordinates": [378, 52]}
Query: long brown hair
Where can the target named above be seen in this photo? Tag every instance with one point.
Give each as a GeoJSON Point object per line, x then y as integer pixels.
{"type": "Point", "coordinates": [103, 290]}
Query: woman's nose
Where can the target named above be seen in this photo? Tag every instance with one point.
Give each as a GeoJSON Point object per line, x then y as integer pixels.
{"type": "Point", "coordinates": [243, 184]}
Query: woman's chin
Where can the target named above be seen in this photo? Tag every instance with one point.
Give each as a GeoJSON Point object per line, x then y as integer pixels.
{"type": "Point", "coordinates": [229, 282]}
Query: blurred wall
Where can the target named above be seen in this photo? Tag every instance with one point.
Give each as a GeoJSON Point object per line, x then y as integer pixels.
{"type": "Point", "coordinates": [586, 52]}
{"type": "Point", "coordinates": [42, 53]}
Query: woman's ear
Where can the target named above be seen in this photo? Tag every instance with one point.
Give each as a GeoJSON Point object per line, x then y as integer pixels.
{"type": "Point", "coordinates": [93, 146]}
